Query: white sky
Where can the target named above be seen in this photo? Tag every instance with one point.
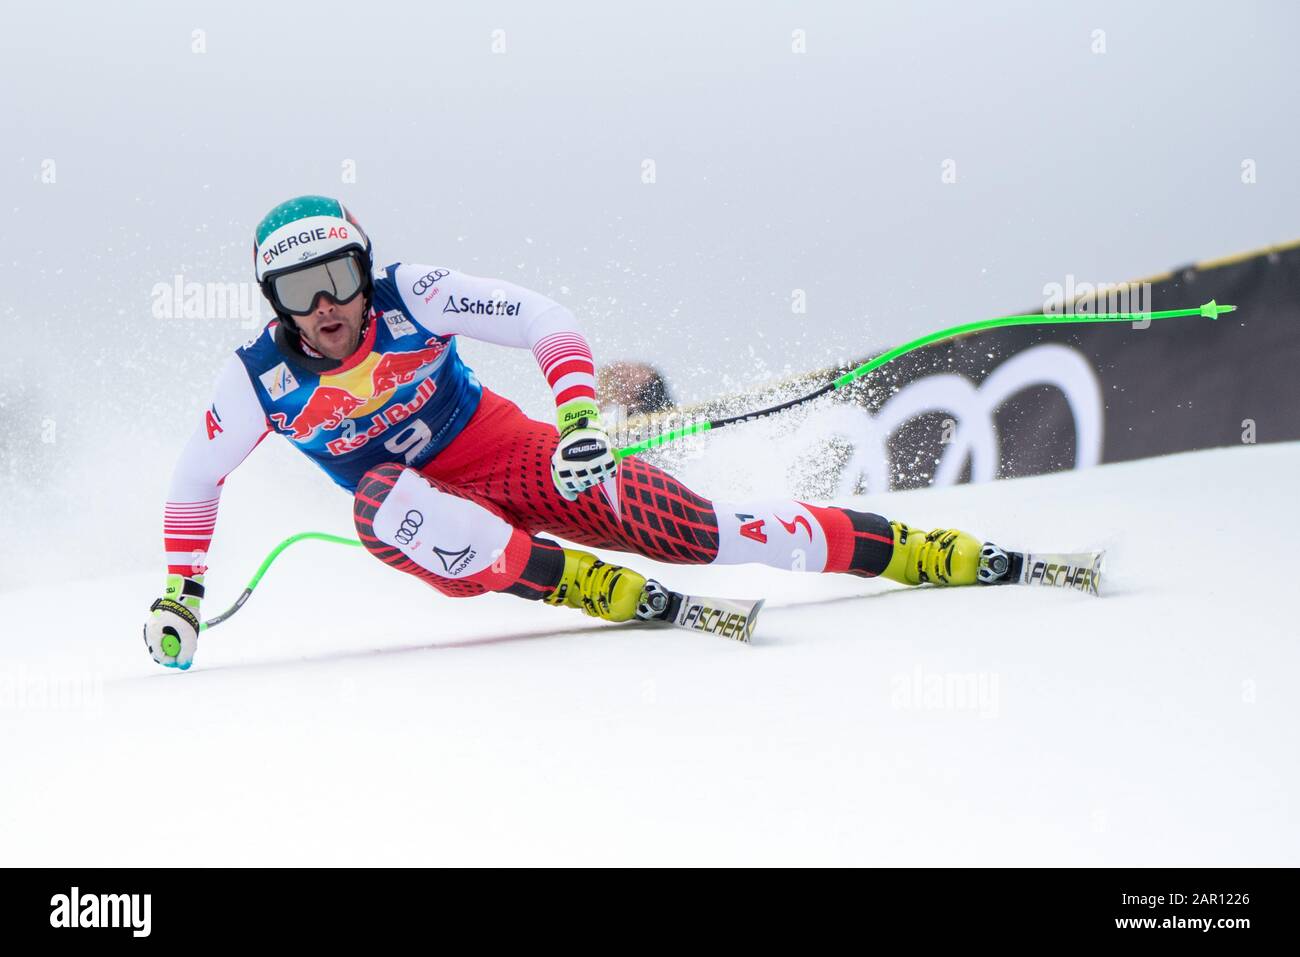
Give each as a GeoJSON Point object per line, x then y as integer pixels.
{"type": "Point", "coordinates": [775, 171]}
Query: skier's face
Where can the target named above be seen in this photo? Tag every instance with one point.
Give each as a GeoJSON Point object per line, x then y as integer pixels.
{"type": "Point", "coordinates": [331, 329]}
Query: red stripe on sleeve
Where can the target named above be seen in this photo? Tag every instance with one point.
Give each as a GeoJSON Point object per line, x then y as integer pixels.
{"type": "Point", "coordinates": [556, 372]}
{"type": "Point", "coordinates": [575, 392]}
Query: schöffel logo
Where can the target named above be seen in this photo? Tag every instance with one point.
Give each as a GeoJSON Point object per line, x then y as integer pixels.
{"type": "Point", "coordinates": [477, 307]}
{"type": "Point", "coordinates": [102, 910]}
{"type": "Point", "coordinates": [410, 525]}
{"type": "Point", "coordinates": [455, 562]}
{"type": "Point", "coordinates": [428, 280]}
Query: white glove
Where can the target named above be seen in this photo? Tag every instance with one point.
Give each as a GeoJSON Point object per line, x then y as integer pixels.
{"type": "Point", "coordinates": [585, 456]}
{"type": "Point", "coordinates": [171, 632]}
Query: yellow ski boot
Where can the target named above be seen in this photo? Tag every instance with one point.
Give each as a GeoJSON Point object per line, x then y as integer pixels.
{"type": "Point", "coordinates": [942, 557]}
{"type": "Point", "coordinates": [603, 591]}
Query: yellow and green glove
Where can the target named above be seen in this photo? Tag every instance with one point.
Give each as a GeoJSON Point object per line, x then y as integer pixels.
{"type": "Point", "coordinates": [585, 456]}
{"type": "Point", "coordinates": [171, 632]}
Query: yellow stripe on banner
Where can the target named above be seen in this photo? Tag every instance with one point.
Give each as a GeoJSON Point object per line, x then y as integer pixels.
{"type": "Point", "coordinates": [1200, 267]}
{"type": "Point", "coordinates": [1242, 257]}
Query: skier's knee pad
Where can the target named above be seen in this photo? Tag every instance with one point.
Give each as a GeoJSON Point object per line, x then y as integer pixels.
{"type": "Point", "coordinates": [401, 514]}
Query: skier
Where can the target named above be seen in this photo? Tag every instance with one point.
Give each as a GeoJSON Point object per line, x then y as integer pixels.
{"type": "Point", "coordinates": [450, 481]}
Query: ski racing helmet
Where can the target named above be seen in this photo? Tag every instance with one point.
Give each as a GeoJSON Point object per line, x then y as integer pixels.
{"type": "Point", "coordinates": [307, 246]}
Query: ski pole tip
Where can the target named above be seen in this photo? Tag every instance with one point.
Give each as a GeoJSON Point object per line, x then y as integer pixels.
{"type": "Point", "coordinates": [1212, 310]}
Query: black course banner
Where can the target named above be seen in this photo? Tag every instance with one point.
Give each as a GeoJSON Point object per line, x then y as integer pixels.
{"type": "Point", "coordinates": [1028, 400]}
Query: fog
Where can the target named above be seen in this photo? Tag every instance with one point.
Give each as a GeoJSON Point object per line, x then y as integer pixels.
{"type": "Point", "coordinates": [683, 176]}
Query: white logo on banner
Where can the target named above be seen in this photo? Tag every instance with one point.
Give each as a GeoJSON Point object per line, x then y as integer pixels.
{"type": "Point", "coordinates": [973, 407]}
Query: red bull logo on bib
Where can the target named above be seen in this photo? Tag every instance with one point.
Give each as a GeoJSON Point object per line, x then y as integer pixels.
{"type": "Point", "coordinates": [364, 390]}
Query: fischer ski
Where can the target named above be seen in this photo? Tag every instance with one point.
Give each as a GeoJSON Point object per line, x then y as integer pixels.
{"type": "Point", "coordinates": [1080, 571]}
{"type": "Point", "coordinates": [726, 617]}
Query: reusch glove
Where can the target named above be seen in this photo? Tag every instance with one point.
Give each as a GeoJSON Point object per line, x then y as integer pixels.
{"type": "Point", "coordinates": [171, 632]}
{"type": "Point", "coordinates": [584, 456]}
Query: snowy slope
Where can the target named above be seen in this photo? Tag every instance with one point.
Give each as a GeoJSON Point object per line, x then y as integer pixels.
{"type": "Point", "coordinates": [869, 724]}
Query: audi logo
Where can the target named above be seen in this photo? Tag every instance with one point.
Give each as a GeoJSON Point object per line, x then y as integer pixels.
{"type": "Point", "coordinates": [427, 282]}
{"type": "Point", "coordinates": [410, 525]}
{"type": "Point", "coordinates": [973, 407]}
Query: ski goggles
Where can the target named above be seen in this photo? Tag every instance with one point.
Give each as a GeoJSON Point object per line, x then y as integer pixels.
{"type": "Point", "coordinates": [296, 292]}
